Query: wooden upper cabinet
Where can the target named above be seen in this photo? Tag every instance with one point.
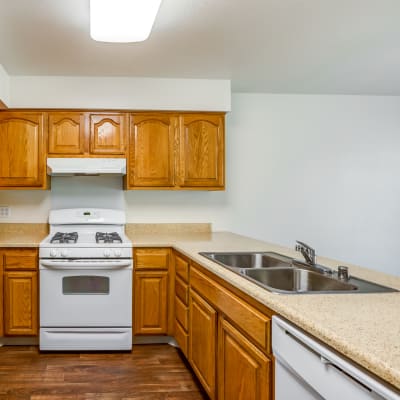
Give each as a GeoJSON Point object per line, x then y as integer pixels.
{"type": "Point", "coordinates": [151, 156]}
{"type": "Point", "coordinates": [66, 133]}
{"type": "Point", "coordinates": [22, 150]}
{"type": "Point", "coordinates": [202, 151]}
{"type": "Point", "coordinates": [108, 134]}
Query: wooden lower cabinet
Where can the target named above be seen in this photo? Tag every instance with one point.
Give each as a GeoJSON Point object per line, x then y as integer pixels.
{"type": "Point", "coordinates": [229, 339]}
{"type": "Point", "coordinates": [243, 370]}
{"type": "Point", "coordinates": [202, 342]}
{"type": "Point", "coordinates": [1, 296]}
{"type": "Point", "coordinates": [19, 292]}
{"type": "Point", "coordinates": [181, 309]}
{"type": "Point", "coordinates": [20, 303]}
{"type": "Point", "coordinates": [150, 302]}
{"type": "Point", "coordinates": [153, 291]}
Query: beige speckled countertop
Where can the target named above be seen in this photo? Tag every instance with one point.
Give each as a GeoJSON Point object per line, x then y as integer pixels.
{"type": "Point", "coordinates": [22, 235]}
{"type": "Point", "coordinates": [364, 327]}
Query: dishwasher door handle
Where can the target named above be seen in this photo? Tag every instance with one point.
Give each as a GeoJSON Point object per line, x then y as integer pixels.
{"type": "Point", "coordinates": [325, 361]}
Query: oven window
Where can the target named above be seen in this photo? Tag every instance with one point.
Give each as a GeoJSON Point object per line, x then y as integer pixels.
{"type": "Point", "coordinates": [83, 284]}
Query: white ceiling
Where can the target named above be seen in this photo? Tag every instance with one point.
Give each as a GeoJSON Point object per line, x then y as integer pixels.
{"type": "Point", "coordinates": [288, 46]}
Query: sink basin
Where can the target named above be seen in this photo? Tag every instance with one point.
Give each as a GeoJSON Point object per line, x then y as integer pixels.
{"type": "Point", "coordinates": [297, 280]}
{"type": "Point", "coordinates": [250, 259]}
{"type": "Point", "coordinates": [282, 274]}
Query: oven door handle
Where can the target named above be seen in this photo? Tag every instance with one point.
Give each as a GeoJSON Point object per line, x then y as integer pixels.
{"type": "Point", "coordinates": [86, 264]}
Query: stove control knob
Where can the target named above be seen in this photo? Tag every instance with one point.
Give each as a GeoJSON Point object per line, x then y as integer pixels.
{"type": "Point", "coordinates": [107, 253]}
{"type": "Point", "coordinates": [117, 253]}
{"type": "Point", "coordinates": [64, 253]}
{"type": "Point", "coordinates": [53, 253]}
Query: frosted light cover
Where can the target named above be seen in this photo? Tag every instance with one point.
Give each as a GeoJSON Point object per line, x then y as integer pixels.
{"type": "Point", "coordinates": [122, 21]}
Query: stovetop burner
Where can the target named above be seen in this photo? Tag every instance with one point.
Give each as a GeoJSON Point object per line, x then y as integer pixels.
{"type": "Point", "coordinates": [63, 237]}
{"type": "Point", "coordinates": [108, 237]}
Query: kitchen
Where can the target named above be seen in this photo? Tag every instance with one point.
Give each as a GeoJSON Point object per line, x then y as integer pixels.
{"type": "Point", "coordinates": [315, 163]}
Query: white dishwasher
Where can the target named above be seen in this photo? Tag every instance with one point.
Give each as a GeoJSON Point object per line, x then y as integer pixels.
{"type": "Point", "coordinates": [307, 370]}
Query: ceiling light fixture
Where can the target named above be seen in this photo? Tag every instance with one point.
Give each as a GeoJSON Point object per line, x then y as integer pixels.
{"type": "Point", "coordinates": [122, 20]}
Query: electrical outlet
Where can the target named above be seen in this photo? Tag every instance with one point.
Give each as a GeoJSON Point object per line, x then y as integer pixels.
{"type": "Point", "coordinates": [5, 211]}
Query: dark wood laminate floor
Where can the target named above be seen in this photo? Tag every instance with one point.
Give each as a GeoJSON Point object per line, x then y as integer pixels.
{"type": "Point", "coordinates": [149, 372]}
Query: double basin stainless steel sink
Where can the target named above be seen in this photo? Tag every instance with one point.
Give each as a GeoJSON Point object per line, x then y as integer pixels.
{"type": "Point", "coordinates": [281, 274]}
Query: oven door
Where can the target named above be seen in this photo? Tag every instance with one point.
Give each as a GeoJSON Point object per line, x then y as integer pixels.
{"type": "Point", "coordinates": [72, 295]}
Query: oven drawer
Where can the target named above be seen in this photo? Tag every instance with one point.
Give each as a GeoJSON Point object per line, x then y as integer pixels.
{"type": "Point", "coordinates": [85, 339]}
{"type": "Point", "coordinates": [85, 298]}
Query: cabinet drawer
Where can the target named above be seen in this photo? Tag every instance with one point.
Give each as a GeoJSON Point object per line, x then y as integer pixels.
{"type": "Point", "coordinates": [181, 313]}
{"type": "Point", "coordinates": [182, 291]}
{"type": "Point", "coordinates": [25, 259]}
{"type": "Point", "coordinates": [181, 338]}
{"type": "Point", "coordinates": [151, 258]}
{"type": "Point", "coordinates": [253, 323]}
{"type": "Point", "coordinates": [182, 268]}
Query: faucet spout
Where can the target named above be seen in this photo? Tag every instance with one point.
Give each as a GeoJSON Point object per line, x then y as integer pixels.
{"type": "Point", "coordinates": [307, 251]}
{"type": "Point", "coordinates": [310, 259]}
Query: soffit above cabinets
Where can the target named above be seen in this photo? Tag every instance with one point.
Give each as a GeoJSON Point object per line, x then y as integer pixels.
{"type": "Point", "coordinates": [286, 46]}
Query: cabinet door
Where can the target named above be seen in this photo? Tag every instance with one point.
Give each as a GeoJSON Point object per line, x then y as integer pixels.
{"type": "Point", "coordinates": [108, 133]}
{"type": "Point", "coordinates": [66, 133]}
{"type": "Point", "coordinates": [150, 302]}
{"type": "Point", "coordinates": [151, 155]}
{"type": "Point", "coordinates": [22, 150]}
{"type": "Point", "coordinates": [21, 303]}
{"type": "Point", "coordinates": [201, 151]}
{"type": "Point", "coordinates": [1, 296]}
{"type": "Point", "coordinates": [243, 370]}
{"type": "Point", "coordinates": [202, 341]}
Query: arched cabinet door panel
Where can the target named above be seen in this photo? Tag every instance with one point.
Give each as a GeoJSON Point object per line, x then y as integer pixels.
{"type": "Point", "coordinates": [202, 151]}
{"type": "Point", "coordinates": [152, 150]}
{"type": "Point", "coordinates": [22, 150]}
{"type": "Point", "coordinates": [66, 133]}
{"type": "Point", "coordinates": [108, 133]}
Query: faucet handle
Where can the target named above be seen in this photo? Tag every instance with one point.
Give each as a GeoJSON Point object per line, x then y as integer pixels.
{"type": "Point", "coordinates": [307, 251]}
{"type": "Point", "coordinates": [304, 245]}
{"type": "Point", "coordinates": [343, 273]}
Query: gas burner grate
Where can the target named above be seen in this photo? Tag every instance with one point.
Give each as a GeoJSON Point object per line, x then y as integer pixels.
{"type": "Point", "coordinates": [65, 237]}
{"type": "Point", "coordinates": [106, 237]}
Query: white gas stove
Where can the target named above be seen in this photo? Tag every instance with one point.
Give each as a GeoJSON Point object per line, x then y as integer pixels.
{"type": "Point", "coordinates": [86, 233]}
{"type": "Point", "coordinates": [86, 281]}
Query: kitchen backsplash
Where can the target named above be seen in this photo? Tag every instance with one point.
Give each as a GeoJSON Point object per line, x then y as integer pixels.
{"type": "Point", "coordinates": [84, 191]}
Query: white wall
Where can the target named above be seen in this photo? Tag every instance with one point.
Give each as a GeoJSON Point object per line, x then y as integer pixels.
{"type": "Point", "coordinates": [120, 93]}
{"type": "Point", "coordinates": [322, 169]}
{"type": "Point", "coordinates": [4, 86]}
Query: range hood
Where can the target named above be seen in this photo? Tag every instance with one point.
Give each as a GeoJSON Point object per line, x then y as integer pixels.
{"type": "Point", "coordinates": [86, 166]}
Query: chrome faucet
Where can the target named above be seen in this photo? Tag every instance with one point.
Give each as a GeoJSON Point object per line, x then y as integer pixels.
{"type": "Point", "coordinates": [307, 251]}
{"type": "Point", "coordinates": [309, 255]}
